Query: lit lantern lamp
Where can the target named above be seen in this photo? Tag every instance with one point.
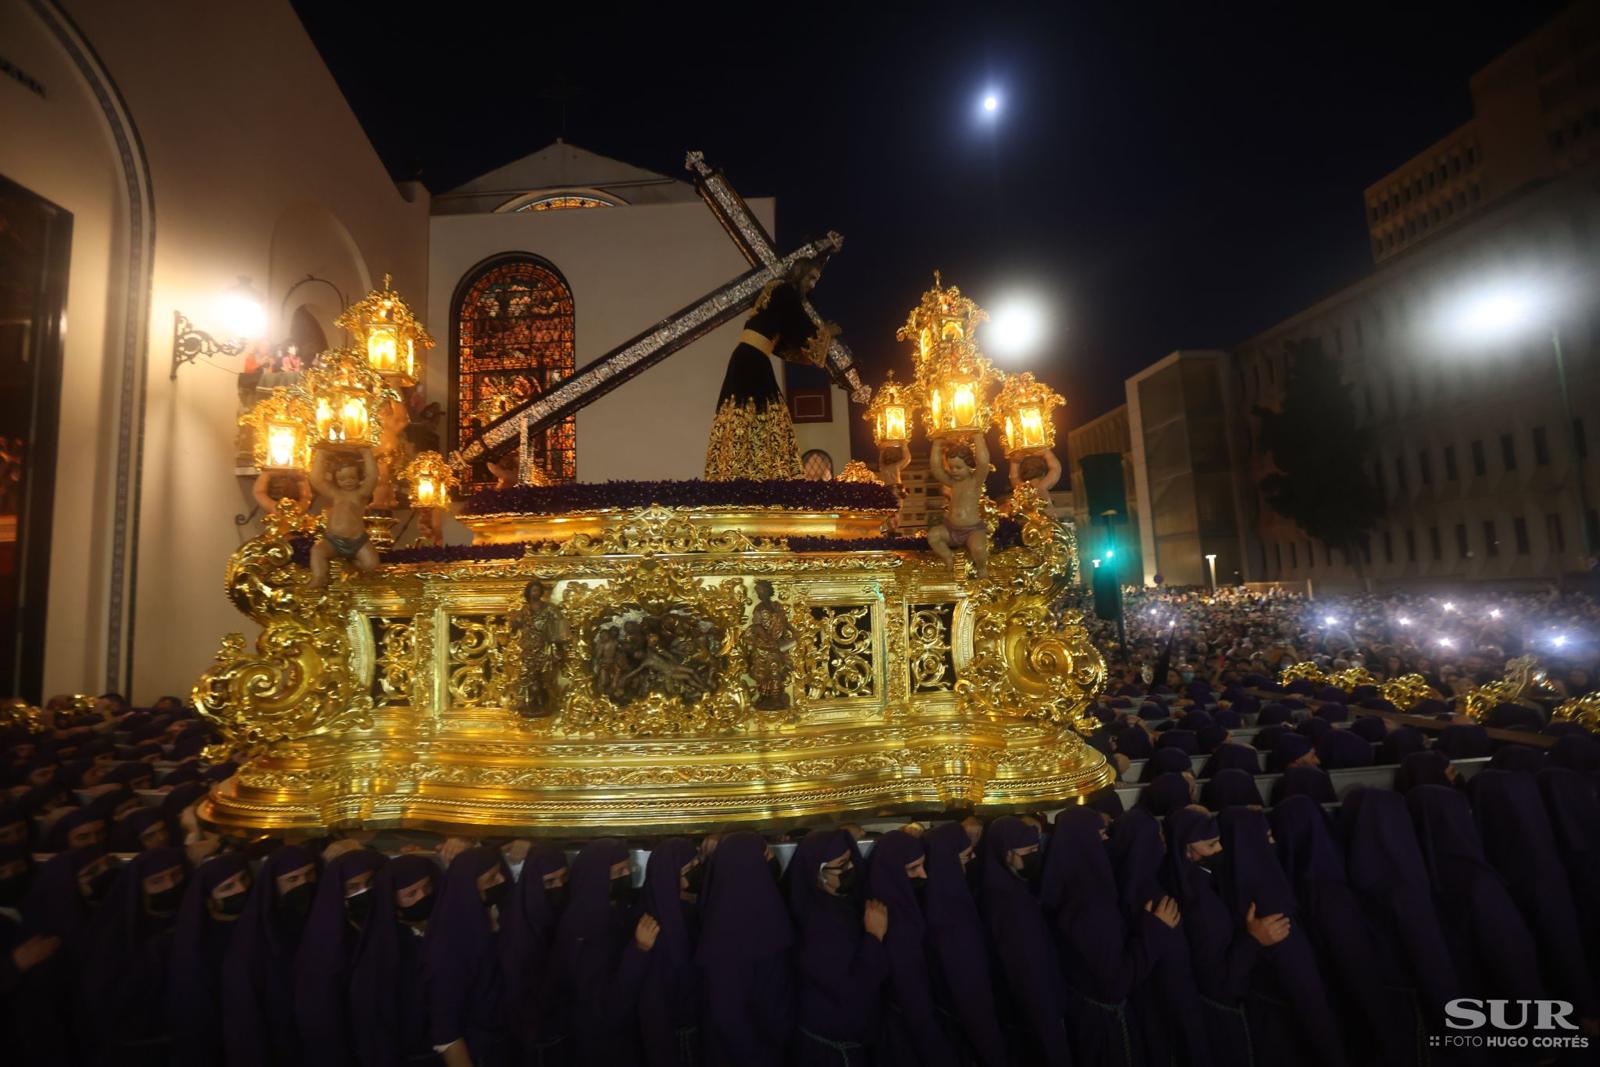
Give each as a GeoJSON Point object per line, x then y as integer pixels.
{"type": "Point", "coordinates": [282, 425]}
{"type": "Point", "coordinates": [958, 391]}
{"type": "Point", "coordinates": [388, 333]}
{"type": "Point", "coordinates": [1025, 413]}
{"type": "Point", "coordinates": [431, 480]}
{"type": "Point", "coordinates": [889, 414]}
{"type": "Point", "coordinates": [953, 378]}
{"type": "Point", "coordinates": [346, 394]}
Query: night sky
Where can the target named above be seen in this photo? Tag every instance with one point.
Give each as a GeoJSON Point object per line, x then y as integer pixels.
{"type": "Point", "coordinates": [1161, 177]}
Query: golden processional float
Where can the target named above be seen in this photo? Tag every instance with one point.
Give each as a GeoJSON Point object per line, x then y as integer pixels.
{"type": "Point", "coordinates": [634, 657]}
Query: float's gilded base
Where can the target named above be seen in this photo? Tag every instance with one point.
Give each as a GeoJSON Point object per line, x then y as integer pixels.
{"type": "Point", "coordinates": [665, 674]}
{"type": "Point", "coordinates": [686, 785]}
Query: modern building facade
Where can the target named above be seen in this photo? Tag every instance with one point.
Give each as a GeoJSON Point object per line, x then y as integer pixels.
{"type": "Point", "coordinates": [1474, 454]}
{"type": "Point", "coordinates": [1535, 115]}
{"type": "Point", "coordinates": [1180, 412]}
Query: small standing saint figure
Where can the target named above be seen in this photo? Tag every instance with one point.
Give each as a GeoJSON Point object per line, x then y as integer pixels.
{"type": "Point", "coordinates": [961, 468]}
{"type": "Point", "coordinates": [347, 479]}
{"type": "Point", "coordinates": [769, 642]}
{"type": "Point", "coordinates": [542, 638]}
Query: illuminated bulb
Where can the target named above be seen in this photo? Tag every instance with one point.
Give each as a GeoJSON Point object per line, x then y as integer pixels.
{"type": "Point", "coordinates": [281, 445]}
{"type": "Point", "coordinates": [242, 316]}
{"type": "Point", "coordinates": [1032, 427]}
{"type": "Point", "coordinates": [324, 418]}
{"type": "Point", "coordinates": [1403, 621]}
{"type": "Point", "coordinates": [1559, 640]}
{"type": "Point", "coordinates": [991, 103]}
{"type": "Point", "coordinates": [425, 492]}
{"type": "Point", "coordinates": [1110, 552]}
{"type": "Point", "coordinates": [1328, 620]}
{"type": "Point", "coordinates": [1014, 330]}
{"type": "Point", "coordinates": [1447, 642]}
{"type": "Point", "coordinates": [1449, 605]}
{"type": "Point", "coordinates": [1494, 613]}
{"type": "Point", "coordinates": [353, 420]}
{"type": "Point", "coordinates": [964, 405]}
{"type": "Point", "coordinates": [383, 350]}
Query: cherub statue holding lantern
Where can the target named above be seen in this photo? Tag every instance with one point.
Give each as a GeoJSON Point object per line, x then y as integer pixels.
{"type": "Point", "coordinates": [347, 479]}
{"type": "Point", "coordinates": [961, 466]}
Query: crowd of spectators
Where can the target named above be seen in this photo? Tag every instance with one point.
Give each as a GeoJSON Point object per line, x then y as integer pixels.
{"type": "Point", "coordinates": [1455, 641]}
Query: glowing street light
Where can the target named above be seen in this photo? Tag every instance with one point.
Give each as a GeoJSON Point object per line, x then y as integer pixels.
{"type": "Point", "coordinates": [1447, 642]}
{"type": "Point", "coordinates": [1559, 640]}
{"type": "Point", "coordinates": [1403, 620]}
{"type": "Point", "coordinates": [990, 103]}
{"type": "Point", "coordinates": [1329, 620]}
{"type": "Point", "coordinates": [1449, 605]}
{"type": "Point", "coordinates": [1507, 310]}
{"type": "Point", "coordinates": [1015, 329]}
{"type": "Point", "coordinates": [1494, 613]}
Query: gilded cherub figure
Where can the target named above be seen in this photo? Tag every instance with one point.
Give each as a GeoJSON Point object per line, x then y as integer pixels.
{"type": "Point", "coordinates": [961, 468]}
{"type": "Point", "coordinates": [542, 637]}
{"type": "Point", "coordinates": [347, 479]}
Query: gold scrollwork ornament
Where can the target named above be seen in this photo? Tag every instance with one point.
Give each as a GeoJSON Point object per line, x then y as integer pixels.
{"type": "Point", "coordinates": [299, 681]}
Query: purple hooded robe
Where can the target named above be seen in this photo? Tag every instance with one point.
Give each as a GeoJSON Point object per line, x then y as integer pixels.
{"type": "Point", "coordinates": [388, 997]}
{"type": "Point", "coordinates": [743, 956]}
{"type": "Point", "coordinates": [1021, 941]}
{"type": "Point", "coordinates": [911, 1034]}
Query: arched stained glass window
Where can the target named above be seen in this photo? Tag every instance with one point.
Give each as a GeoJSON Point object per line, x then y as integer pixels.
{"type": "Point", "coordinates": [513, 341]}
{"type": "Point", "coordinates": [564, 202]}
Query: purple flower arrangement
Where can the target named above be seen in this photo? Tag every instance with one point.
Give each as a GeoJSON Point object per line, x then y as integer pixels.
{"type": "Point", "coordinates": [692, 493]}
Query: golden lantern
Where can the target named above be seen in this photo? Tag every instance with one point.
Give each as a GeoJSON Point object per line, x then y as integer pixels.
{"type": "Point", "coordinates": [890, 414]}
{"type": "Point", "coordinates": [953, 378]}
{"type": "Point", "coordinates": [1025, 413]}
{"type": "Point", "coordinates": [431, 480]}
{"type": "Point", "coordinates": [282, 426]}
{"type": "Point", "coordinates": [388, 333]}
{"type": "Point", "coordinates": [346, 395]}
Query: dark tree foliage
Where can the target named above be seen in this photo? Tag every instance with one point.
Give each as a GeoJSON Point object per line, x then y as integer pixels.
{"type": "Point", "coordinates": [1321, 452]}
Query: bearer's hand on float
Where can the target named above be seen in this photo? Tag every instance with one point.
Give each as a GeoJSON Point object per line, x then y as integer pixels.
{"type": "Point", "coordinates": [876, 919]}
{"type": "Point", "coordinates": [1267, 931]}
{"type": "Point", "coordinates": [451, 847]}
{"type": "Point", "coordinates": [644, 935]}
{"type": "Point", "coordinates": [1166, 910]}
{"type": "Point", "coordinates": [33, 952]}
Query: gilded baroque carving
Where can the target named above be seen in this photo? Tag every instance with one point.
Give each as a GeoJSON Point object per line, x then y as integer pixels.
{"type": "Point", "coordinates": [932, 670]}
{"type": "Point", "coordinates": [298, 681]}
{"type": "Point", "coordinates": [672, 698]}
{"type": "Point", "coordinates": [659, 529]}
{"type": "Point", "coordinates": [836, 650]}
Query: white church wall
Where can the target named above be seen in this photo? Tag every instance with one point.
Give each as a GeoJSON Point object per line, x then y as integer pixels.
{"type": "Point", "coordinates": [58, 146]}
{"type": "Point", "coordinates": [258, 169]}
{"type": "Point", "coordinates": [629, 267]}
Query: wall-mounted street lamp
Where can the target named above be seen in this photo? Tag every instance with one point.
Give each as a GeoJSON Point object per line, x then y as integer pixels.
{"type": "Point", "coordinates": [242, 318]}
